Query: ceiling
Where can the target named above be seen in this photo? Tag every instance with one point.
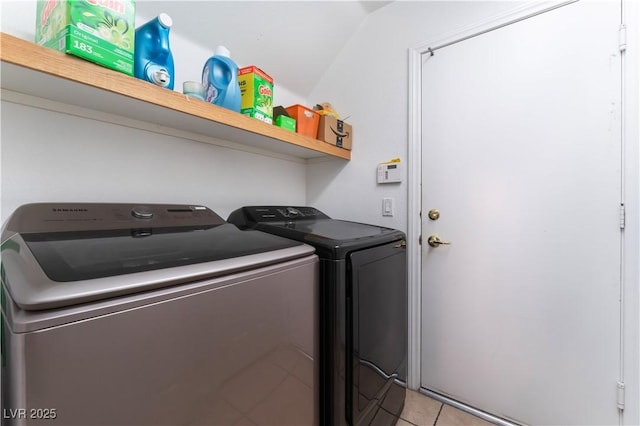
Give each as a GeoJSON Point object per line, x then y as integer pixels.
{"type": "Point", "coordinates": [293, 41]}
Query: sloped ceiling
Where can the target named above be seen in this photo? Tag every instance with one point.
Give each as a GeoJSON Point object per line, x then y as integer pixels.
{"type": "Point", "coordinates": [293, 41]}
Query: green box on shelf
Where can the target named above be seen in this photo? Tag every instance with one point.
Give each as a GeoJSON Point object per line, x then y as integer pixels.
{"type": "Point", "coordinates": [287, 123]}
{"type": "Point", "coordinates": [100, 31]}
{"type": "Point", "coordinates": [256, 89]}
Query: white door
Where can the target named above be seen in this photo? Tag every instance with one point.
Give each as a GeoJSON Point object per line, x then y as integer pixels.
{"type": "Point", "coordinates": [522, 158]}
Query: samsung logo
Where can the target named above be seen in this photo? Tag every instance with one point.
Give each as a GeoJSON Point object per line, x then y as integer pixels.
{"type": "Point", "coordinates": [79, 210]}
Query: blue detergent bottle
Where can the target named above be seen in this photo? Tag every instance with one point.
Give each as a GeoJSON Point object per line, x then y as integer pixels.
{"type": "Point", "coordinates": [153, 60]}
{"type": "Point", "coordinates": [220, 80]}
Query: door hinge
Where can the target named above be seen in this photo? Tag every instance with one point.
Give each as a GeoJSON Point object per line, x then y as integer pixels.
{"type": "Point", "coordinates": [621, 395]}
{"type": "Point", "coordinates": [622, 38]}
{"type": "Point", "coordinates": [622, 216]}
{"type": "Point", "coordinates": [420, 240]}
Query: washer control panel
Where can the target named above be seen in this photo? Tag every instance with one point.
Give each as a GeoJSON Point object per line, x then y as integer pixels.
{"type": "Point", "coordinates": [66, 217]}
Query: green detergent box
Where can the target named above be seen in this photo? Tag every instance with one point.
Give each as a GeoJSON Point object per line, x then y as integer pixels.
{"type": "Point", "coordinates": [256, 89]}
{"type": "Point", "coordinates": [100, 31]}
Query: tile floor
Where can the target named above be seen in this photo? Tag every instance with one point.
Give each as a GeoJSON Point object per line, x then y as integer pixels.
{"type": "Point", "coordinates": [421, 410]}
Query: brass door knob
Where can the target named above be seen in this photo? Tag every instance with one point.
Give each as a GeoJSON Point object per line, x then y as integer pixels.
{"type": "Point", "coordinates": [434, 214]}
{"type": "Point", "coordinates": [435, 241]}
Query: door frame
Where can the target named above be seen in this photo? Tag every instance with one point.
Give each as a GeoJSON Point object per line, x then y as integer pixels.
{"type": "Point", "coordinates": [630, 163]}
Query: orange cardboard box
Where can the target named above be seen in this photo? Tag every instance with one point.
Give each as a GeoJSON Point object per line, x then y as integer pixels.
{"type": "Point", "coordinates": [306, 120]}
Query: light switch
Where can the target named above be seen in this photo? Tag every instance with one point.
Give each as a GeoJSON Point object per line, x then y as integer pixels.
{"type": "Point", "coordinates": [387, 207]}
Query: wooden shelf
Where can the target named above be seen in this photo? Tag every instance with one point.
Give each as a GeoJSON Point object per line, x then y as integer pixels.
{"type": "Point", "coordinates": [45, 73]}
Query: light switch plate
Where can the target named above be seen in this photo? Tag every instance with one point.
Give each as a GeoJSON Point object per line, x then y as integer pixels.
{"type": "Point", "coordinates": [387, 207]}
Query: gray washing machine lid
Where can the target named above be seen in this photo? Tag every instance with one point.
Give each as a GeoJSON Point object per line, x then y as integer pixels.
{"type": "Point", "coordinates": [52, 257]}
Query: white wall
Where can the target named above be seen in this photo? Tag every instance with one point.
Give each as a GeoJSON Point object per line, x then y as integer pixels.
{"type": "Point", "coordinates": [368, 82]}
{"type": "Point", "coordinates": [49, 156]}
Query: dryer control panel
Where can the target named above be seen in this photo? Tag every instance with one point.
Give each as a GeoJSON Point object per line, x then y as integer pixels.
{"type": "Point", "coordinates": [249, 216]}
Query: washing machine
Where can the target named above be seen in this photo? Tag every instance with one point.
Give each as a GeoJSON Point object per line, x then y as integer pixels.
{"type": "Point", "coordinates": [363, 310]}
{"type": "Point", "coordinates": [124, 314]}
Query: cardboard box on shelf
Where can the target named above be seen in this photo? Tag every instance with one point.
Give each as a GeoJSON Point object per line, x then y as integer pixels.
{"type": "Point", "coordinates": [256, 89]}
{"type": "Point", "coordinates": [306, 120]}
{"type": "Point", "coordinates": [336, 132]}
{"type": "Point", "coordinates": [100, 32]}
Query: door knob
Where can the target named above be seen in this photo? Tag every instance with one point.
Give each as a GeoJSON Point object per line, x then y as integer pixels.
{"type": "Point", "coordinates": [435, 241]}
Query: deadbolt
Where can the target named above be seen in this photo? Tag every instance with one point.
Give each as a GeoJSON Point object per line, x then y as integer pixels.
{"type": "Point", "coordinates": [434, 214]}
{"type": "Point", "coordinates": [435, 241]}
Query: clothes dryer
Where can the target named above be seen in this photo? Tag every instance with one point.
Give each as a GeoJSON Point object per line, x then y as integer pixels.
{"type": "Point", "coordinates": [363, 310]}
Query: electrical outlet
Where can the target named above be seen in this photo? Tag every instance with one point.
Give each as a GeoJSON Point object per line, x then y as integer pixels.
{"type": "Point", "coordinates": [387, 207]}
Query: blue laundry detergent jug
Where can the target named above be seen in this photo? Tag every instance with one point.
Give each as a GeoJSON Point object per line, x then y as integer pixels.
{"type": "Point", "coordinates": [153, 60]}
{"type": "Point", "coordinates": [220, 80]}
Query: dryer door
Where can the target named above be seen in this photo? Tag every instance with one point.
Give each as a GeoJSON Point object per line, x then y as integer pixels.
{"type": "Point", "coordinates": [377, 322]}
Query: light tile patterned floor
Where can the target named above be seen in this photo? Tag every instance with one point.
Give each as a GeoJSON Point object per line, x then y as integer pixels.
{"type": "Point", "coordinates": [421, 410]}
